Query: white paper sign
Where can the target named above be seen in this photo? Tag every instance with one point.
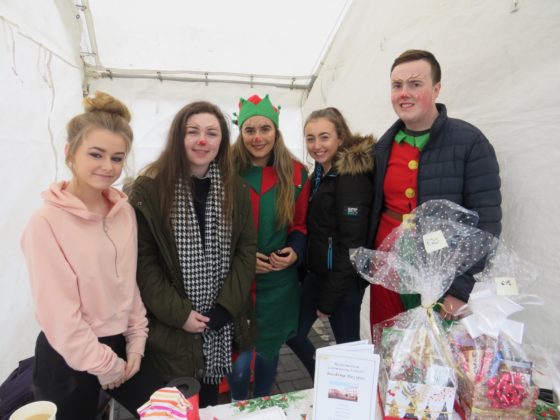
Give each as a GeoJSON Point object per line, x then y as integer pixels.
{"type": "Point", "coordinates": [506, 286]}
{"type": "Point", "coordinates": [346, 382]}
{"type": "Point", "coordinates": [434, 241]}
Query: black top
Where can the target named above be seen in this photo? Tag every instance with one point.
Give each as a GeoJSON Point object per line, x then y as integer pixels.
{"type": "Point", "coordinates": [218, 315]}
{"type": "Point", "coordinates": [200, 189]}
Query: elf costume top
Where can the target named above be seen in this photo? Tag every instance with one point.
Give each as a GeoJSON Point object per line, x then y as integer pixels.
{"type": "Point", "coordinates": [277, 292]}
{"type": "Point", "coordinates": [452, 161]}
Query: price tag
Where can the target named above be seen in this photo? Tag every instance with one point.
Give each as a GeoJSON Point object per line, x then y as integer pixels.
{"type": "Point", "coordinates": [506, 286]}
{"type": "Point", "coordinates": [434, 241]}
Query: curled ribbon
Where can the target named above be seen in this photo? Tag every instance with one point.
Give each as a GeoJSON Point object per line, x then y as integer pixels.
{"type": "Point", "coordinates": [490, 314]}
{"type": "Point", "coordinates": [507, 390]}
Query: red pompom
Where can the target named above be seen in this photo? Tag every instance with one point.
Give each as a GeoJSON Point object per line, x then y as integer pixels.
{"type": "Point", "coordinates": [255, 99]}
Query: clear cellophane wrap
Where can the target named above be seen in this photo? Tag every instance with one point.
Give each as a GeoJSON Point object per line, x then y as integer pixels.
{"type": "Point", "coordinates": [497, 378]}
{"type": "Point", "coordinates": [437, 243]}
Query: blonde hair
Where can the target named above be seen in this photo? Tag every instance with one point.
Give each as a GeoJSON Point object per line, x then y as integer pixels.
{"type": "Point", "coordinates": [101, 111]}
{"type": "Point", "coordinates": [283, 164]}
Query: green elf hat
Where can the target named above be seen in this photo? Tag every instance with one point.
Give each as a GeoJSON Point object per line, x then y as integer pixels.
{"type": "Point", "coordinates": [256, 106]}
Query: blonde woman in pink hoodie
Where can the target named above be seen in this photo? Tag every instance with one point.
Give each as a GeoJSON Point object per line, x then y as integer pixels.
{"type": "Point", "coordinates": [81, 253]}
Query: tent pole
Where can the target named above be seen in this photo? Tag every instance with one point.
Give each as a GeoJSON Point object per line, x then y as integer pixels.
{"type": "Point", "coordinates": [285, 82]}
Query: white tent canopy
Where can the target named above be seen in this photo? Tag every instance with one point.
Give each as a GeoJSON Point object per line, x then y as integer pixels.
{"type": "Point", "coordinates": [500, 62]}
{"type": "Point", "coordinates": [232, 40]}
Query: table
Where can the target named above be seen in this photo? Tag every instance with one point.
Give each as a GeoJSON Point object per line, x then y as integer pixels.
{"type": "Point", "coordinates": [297, 405]}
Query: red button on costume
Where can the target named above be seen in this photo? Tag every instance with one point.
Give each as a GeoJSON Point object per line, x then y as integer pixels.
{"type": "Point", "coordinates": [400, 179]}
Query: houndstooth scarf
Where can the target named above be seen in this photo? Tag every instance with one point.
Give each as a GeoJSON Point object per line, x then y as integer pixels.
{"type": "Point", "coordinates": [205, 266]}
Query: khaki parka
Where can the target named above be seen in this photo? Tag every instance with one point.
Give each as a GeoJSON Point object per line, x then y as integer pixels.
{"type": "Point", "coordinates": [173, 351]}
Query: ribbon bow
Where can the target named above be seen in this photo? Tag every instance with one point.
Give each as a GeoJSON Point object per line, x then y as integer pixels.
{"type": "Point", "coordinates": [490, 312]}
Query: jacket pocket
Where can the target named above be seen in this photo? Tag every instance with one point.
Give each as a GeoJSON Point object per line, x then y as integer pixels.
{"type": "Point", "coordinates": [174, 352]}
{"type": "Point", "coordinates": [167, 340]}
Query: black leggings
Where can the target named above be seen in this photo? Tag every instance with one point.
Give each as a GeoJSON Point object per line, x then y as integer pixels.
{"type": "Point", "coordinates": [76, 393]}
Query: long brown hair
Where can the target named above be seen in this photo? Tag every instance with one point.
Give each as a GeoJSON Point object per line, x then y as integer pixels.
{"type": "Point", "coordinates": [172, 163]}
{"type": "Point", "coordinates": [283, 164]}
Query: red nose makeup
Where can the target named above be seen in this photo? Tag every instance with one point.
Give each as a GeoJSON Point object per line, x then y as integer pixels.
{"type": "Point", "coordinates": [202, 142]}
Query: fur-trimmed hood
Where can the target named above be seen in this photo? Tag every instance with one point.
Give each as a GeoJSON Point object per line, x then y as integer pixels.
{"type": "Point", "coordinates": [358, 158]}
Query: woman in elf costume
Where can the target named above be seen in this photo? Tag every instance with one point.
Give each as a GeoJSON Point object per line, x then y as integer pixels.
{"type": "Point", "coordinates": [279, 194]}
{"type": "Point", "coordinates": [339, 211]}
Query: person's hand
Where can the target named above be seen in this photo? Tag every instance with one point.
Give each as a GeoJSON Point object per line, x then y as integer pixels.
{"type": "Point", "coordinates": [120, 375]}
{"type": "Point", "coordinates": [132, 365]}
{"type": "Point", "coordinates": [286, 258]}
{"type": "Point", "coordinates": [115, 384]}
{"type": "Point", "coordinates": [450, 308]}
{"type": "Point", "coordinates": [322, 316]}
{"type": "Point", "coordinates": [195, 323]}
{"type": "Point", "coordinates": [263, 264]}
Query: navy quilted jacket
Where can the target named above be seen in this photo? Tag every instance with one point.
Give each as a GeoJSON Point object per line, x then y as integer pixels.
{"type": "Point", "coordinates": [458, 164]}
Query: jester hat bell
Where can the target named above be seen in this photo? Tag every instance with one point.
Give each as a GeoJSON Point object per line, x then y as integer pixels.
{"type": "Point", "coordinates": [254, 105]}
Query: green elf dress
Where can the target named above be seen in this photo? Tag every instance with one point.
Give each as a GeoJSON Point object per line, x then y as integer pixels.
{"type": "Point", "coordinates": [276, 293]}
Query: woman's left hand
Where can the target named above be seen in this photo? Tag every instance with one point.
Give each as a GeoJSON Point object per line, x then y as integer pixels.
{"type": "Point", "coordinates": [132, 365]}
{"type": "Point", "coordinates": [279, 262]}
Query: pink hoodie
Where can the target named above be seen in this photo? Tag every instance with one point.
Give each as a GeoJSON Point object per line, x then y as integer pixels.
{"type": "Point", "coordinates": [82, 269]}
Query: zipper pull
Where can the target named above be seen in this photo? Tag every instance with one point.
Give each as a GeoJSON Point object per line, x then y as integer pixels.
{"type": "Point", "coordinates": [329, 254]}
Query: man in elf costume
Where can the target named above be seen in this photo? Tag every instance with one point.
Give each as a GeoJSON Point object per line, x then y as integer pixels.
{"type": "Point", "coordinates": [426, 155]}
{"type": "Point", "coordinates": [279, 192]}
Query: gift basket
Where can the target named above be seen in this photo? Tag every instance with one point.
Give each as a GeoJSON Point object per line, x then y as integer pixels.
{"type": "Point", "coordinates": [437, 243]}
{"type": "Point", "coordinates": [498, 376]}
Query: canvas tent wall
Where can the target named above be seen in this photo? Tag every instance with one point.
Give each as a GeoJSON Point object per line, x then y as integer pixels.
{"type": "Point", "coordinates": [499, 61]}
{"type": "Point", "coordinates": [43, 49]}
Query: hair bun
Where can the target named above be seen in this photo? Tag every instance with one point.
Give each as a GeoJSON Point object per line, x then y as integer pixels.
{"type": "Point", "coordinates": [103, 102]}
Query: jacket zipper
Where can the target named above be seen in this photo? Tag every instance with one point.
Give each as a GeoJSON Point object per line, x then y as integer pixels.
{"type": "Point", "coordinates": [329, 254]}
{"type": "Point", "coordinates": [106, 230]}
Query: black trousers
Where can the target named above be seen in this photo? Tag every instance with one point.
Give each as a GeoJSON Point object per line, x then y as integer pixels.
{"type": "Point", "coordinates": [76, 393]}
{"type": "Point", "coordinates": [345, 320]}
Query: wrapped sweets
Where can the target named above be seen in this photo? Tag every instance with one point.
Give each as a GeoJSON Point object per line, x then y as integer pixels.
{"type": "Point", "coordinates": [436, 244]}
{"type": "Point", "coordinates": [497, 380]}
{"type": "Point", "coordinates": [497, 377]}
{"type": "Point", "coordinates": [166, 404]}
